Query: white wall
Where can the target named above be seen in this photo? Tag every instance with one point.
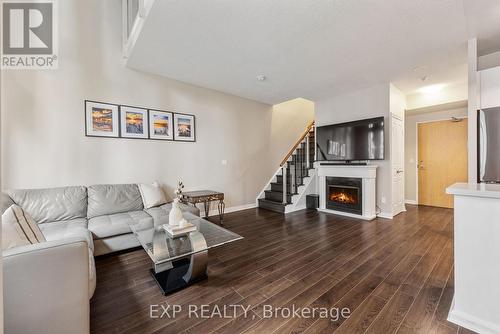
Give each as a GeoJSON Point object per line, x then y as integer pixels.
{"type": "Point", "coordinates": [449, 94]}
{"type": "Point", "coordinates": [370, 102]}
{"type": "Point", "coordinates": [397, 102]}
{"type": "Point", "coordinates": [488, 61]}
{"type": "Point", "coordinates": [43, 142]}
{"type": "Point", "coordinates": [411, 158]}
{"type": "Point", "coordinates": [288, 115]}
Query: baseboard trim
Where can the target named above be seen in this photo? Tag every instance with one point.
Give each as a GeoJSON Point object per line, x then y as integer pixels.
{"type": "Point", "coordinates": [411, 201]}
{"type": "Point", "coordinates": [215, 212]}
{"type": "Point", "coordinates": [471, 322]}
{"type": "Point", "coordinates": [297, 208]}
{"type": "Point", "coordinates": [347, 214]}
{"type": "Point", "coordinates": [385, 215]}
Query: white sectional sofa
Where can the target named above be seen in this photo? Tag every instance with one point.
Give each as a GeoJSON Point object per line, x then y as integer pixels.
{"type": "Point", "coordinates": [47, 286]}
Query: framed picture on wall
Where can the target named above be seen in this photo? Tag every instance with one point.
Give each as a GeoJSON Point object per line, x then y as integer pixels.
{"type": "Point", "coordinates": [101, 119]}
{"type": "Point", "coordinates": [184, 127]}
{"type": "Point", "coordinates": [161, 125]}
{"type": "Point", "coordinates": [134, 122]}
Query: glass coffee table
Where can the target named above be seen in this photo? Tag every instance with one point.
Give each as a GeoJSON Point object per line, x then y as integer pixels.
{"type": "Point", "coordinates": [181, 261]}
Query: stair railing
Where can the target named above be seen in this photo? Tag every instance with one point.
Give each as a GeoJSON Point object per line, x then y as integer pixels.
{"type": "Point", "coordinates": [304, 138]}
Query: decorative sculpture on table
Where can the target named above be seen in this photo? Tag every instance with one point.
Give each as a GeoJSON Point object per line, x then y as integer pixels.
{"type": "Point", "coordinates": [175, 217]}
{"type": "Point", "coordinates": [178, 225]}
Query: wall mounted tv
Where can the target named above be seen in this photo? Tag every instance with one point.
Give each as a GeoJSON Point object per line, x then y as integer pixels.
{"type": "Point", "coordinates": [352, 141]}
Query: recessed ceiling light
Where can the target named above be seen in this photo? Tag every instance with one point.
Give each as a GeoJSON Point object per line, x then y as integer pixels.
{"type": "Point", "coordinates": [432, 89]}
{"type": "Point", "coordinates": [261, 77]}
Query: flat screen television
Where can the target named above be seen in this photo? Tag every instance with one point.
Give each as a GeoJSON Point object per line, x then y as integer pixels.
{"type": "Point", "coordinates": [352, 141]}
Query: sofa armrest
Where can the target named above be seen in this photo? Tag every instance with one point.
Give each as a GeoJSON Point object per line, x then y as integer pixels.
{"type": "Point", "coordinates": [46, 288]}
{"type": "Point", "coordinates": [5, 202]}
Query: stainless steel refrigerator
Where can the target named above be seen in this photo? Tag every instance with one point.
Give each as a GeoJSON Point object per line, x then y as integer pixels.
{"type": "Point", "coordinates": [489, 145]}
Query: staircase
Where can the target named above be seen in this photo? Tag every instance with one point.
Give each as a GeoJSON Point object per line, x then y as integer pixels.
{"type": "Point", "coordinates": [288, 186]}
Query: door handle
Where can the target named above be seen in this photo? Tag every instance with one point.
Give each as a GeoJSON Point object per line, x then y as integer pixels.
{"type": "Point", "coordinates": [399, 171]}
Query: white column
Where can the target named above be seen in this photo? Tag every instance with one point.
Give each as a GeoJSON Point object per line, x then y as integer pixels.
{"type": "Point", "coordinates": [473, 105]}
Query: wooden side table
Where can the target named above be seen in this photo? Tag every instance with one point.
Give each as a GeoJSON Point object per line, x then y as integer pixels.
{"type": "Point", "coordinates": [206, 197]}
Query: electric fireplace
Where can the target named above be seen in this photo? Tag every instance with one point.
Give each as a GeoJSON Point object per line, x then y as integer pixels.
{"type": "Point", "coordinates": [344, 194]}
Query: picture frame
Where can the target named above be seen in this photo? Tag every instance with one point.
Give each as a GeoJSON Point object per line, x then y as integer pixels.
{"type": "Point", "coordinates": [161, 125]}
{"type": "Point", "coordinates": [102, 119]}
{"type": "Point", "coordinates": [184, 127]}
{"type": "Point", "coordinates": [134, 122]}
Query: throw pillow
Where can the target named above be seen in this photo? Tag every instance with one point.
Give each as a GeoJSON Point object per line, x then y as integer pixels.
{"type": "Point", "coordinates": [19, 229]}
{"type": "Point", "coordinates": [152, 195]}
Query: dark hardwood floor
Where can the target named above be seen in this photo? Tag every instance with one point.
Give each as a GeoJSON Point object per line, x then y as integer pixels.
{"type": "Point", "coordinates": [393, 275]}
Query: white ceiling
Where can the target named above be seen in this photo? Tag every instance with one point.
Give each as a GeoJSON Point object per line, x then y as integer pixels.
{"type": "Point", "coordinates": [315, 48]}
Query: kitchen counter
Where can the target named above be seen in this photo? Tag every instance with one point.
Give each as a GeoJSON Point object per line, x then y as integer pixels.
{"type": "Point", "coordinates": [475, 189]}
{"type": "Point", "coordinates": [477, 256]}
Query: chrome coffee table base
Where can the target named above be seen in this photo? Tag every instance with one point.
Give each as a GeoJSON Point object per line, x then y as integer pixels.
{"type": "Point", "coordinates": [178, 277]}
{"type": "Point", "coordinates": [181, 260]}
{"type": "Point", "coordinates": [175, 275]}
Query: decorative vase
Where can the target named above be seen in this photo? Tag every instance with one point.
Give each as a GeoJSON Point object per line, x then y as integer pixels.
{"type": "Point", "coordinates": [175, 215]}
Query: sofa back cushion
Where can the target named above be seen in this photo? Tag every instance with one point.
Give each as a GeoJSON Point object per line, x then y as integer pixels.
{"type": "Point", "coordinates": [19, 229]}
{"type": "Point", "coordinates": [152, 195]}
{"type": "Point", "coordinates": [108, 199]}
{"type": "Point", "coordinates": [53, 204]}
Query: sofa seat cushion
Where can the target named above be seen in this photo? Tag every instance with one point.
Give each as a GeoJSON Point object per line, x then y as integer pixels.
{"type": "Point", "coordinates": [160, 214]}
{"type": "Point", "coordinates": [115, 244]}
{"type": "Point", "coordinates": [67, 229]}
{"type": "Point", "coordinates": [117, 224]}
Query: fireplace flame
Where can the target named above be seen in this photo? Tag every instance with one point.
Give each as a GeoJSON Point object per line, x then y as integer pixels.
{"type": "Point", "coordinates": [342, 198]}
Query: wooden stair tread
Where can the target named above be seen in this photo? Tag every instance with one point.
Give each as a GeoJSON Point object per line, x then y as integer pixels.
{"type": "Point", "coordinates": [271, 205]}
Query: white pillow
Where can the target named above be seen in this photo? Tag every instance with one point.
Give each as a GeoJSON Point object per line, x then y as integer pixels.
{"type": "Point", "coordinates": [19, 229]}
{"type": "Point", "coordinates": [152, 195]}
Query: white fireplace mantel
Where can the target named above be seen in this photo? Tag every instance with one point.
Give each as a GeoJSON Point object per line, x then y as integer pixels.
{"type": "Point", "coordinates": [367, 173]}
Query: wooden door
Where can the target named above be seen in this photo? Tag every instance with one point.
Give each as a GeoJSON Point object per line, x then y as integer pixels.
{"type": "Point", "coordinates": [442, 160]}
{"type": "Point", "coordinates": [397, 158]}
